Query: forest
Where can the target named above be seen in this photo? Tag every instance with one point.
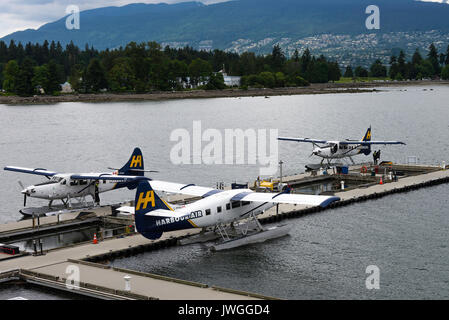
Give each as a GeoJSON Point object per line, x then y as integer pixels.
{"type": "Point", "coordinates": [147, 67]}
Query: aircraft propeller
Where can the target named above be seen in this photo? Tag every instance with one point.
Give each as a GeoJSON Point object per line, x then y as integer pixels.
{"type": "Point", "coordinates": [24, 191]}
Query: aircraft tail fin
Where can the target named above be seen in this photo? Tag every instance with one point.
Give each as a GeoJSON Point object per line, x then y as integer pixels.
{"type": "Point", "coordinates": [367, 147]}
{"type": "Point", "coordinates": [367, 136]}
{"type": "Point", "coordinates": [147, 201]}
{"type": "Point", "coordinates": [134, 166]}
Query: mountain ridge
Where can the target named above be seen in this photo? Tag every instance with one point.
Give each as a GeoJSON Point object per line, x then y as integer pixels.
{"type": "Point", "coordinates": [190, 23]}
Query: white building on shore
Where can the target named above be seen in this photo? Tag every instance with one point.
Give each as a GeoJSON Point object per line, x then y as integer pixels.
{"type": "Point", "coordinates": [230, 81]}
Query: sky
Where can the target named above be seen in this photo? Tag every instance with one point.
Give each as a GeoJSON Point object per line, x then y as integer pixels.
{"type": "Point", "coordinates": [18, 15]}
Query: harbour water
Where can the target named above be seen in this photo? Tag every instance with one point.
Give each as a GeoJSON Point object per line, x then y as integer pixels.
{"type": "Point", "coordinates": [326, 254]}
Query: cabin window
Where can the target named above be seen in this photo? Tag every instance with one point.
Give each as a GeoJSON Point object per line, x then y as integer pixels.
{"type": "Point", "coordinates": [83, 182]}
{"type": "Point", "coordinates": [235, 204]}
{"type": "Point", "coordinates": [218, 209]}
{"type": "Point", "coordinates": [74, 182]}
{"type": "Point", "coordinates": [245, 203]}
{"type": "Point", "coordinates": [228, 206]}
{"type": "Point", "coordinates": [207, 212]}
{"type": "Point", "coordinates": [63, 182]}
{"type": "Point", "coordinates": [104, 181]}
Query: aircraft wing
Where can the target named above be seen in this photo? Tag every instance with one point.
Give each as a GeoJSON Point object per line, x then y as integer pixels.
{"type": "Point", "coordinates": [188, 189]}
{"type": "Point", "coordinates": [128, 210]}
{"type": "Point", "coordinates": [37, 171]}
{"type": "Point", "coordinates": [181, 188]}
{"type": "Point", "coordinates": [106, 176]}
{"type": "Point", "coordinates": [372, 142]}
{"type": "Point", "coordinates": [303, 199]}
{"type": "Point", "coordinates": [302, 140]}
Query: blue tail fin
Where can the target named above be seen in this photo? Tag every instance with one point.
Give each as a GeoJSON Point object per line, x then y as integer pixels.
{"type": "Point", "coordinates": [367, 136]}
{"type": "Point", "coordinates": [366, 150]}
{"type": "Point", "coordinates": [134, 166]}
{"type": "Point", "coordinates": [146, 201]}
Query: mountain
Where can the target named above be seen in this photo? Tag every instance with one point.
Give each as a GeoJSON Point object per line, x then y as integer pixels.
{"type": "Point", "coordinates": [243, 24]}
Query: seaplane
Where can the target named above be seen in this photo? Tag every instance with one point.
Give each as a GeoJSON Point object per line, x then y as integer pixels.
{"type": "Point", "coordinates": [330, 150]}
{"type": "Point", "coordinates": [66, 186]}
{"type": "Point", "coordinates": [223, 211]}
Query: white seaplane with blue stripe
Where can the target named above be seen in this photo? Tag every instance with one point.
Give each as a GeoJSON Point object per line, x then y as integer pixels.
{"type": "Point", "coordinates": [217, 208]}
{"type": "Point", "coordinates": [328, 150]}
{"type": "Point", "coordinates": [67, 186]}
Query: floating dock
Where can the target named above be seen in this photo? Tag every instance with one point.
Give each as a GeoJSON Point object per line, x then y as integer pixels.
{"type": "Point", "coordinates": [52, 267]}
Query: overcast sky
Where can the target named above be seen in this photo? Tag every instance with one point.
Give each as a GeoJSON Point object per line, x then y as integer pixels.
{"type": "Point", "coordinates": [24, 14]}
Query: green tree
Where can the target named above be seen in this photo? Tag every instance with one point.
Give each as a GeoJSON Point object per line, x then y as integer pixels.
{"type": "Point", "coordinates": [267, 79]}
{"type": "Point", "coordinates": [445, 73]}
{"type": "Point", "coordinates": [334, 72]}
{"type": "Point", "coordinates": [76, 78]}
{"type": "Point", "coordinates": [417, 58]}
{"type": "Point", "coordinates": [10, 75]}
{"type": "Point", "coordinates": [317, 72]}
{"type": "Point", "coordinates": [95, 76]}
{"type": "Point", "coordinates": [377, 69]}
{"type": "Point", "coordinates": [306, 59]}
{"type": "Point", "coordinates": [394, 68]}
{"type": "Point", "coordinates": [2, 67]}
{"type": "Point", "coordinates": [301, 82]}
{"type": "Point", "coordinates": [24, 85]}
{"type": "Point", "coordinates": [54, 81]}
{"type": "Point", "coordinates": [199, 71]}
{"type": "Point", "coordinates": [277, 59]}
{"type": "Point", "coordinates": [446, 61]}
{"type": "Point", "coordinates": [292, 70]}
{"type": "Point", "coordinates": [216, 82]}
{"type": "Point", "coordinates": [348, 72]}
{"type": "Point", "coordinates": [121, 76]}
{"type": "Point", "coordinates": [399, 77]}
{"type": "Point", "coordinates": [40, 78]}
{"type": "Point", "coordinates": [401, 63]}
{"type": "Point", "coordinates": [361, 72]}
{"type": "Point", "coordinates": [280, 79]}
{"type": "Point", "coordinates": [432, 56]}
{"type": "Point", "coordinates": [425, 69]}
{"type": "Point", "coordinates": [248, 63]}
{"type": "Point", "coordinates": [296, 56]}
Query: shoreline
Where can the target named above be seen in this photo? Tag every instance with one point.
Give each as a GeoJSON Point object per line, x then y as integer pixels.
{"type": "Point", "coordinates": [322, 88]}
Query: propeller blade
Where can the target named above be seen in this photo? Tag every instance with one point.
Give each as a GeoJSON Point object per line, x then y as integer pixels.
{"type": "Point", "coordinates": [20, 184]}
{"type": "Point", "coordinates": [24, 199]}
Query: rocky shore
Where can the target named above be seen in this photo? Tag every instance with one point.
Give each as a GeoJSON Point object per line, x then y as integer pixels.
{"type": "Point", "coordinates": [196, 94]}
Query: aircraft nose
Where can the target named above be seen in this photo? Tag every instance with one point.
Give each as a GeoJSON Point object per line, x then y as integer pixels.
{"type": "Point", "coordinates": [27, 191]}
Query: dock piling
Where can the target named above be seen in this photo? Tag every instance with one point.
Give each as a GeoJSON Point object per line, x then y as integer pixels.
{"type": "Point", "coordinates": [127, 283]}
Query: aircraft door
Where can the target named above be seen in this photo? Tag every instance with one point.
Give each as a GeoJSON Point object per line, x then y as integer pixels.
{"type": "Point", "coordinates": [334, 148]}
